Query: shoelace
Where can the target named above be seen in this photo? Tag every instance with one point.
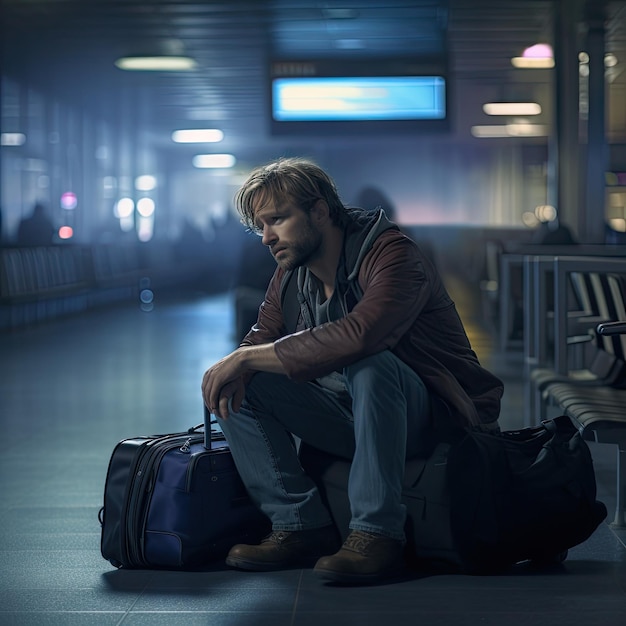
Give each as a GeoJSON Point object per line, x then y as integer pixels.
{"type": "Point", "coordinates": [358, 541]}
{"type": "Point", "coordinates": [277, 536]}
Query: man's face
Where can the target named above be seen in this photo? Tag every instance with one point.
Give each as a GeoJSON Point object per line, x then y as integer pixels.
{"type": "Point", "coordinates": [289, 233]}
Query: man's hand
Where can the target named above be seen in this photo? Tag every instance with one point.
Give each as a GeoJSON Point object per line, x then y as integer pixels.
{"type": "Point", "coordinates": [225, 380]}
{"type": "Point", "coordinates": [222, 382]}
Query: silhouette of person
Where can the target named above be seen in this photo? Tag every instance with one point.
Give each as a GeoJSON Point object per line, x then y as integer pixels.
{"type": "Point", "coordinates": [371, 198]}
{"type": "Point", "coordinates": [554, 233]}
{"type": "Point", "coordinates": [36, 230]}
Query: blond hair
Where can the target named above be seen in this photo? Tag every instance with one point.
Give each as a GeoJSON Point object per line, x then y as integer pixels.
{"type": "Point", "coordinates": [296, 179]}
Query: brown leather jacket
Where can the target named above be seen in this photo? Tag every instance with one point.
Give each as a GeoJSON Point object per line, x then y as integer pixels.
{"type": "Point", "coordinates": [393, 299]}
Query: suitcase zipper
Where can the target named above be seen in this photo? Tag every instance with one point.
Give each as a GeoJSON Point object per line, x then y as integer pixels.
{"type": "Point", "coordinates": [157, 449]}
{"type": "Point", "coordinates": [128, 509]}
{"type": "Point", "coordinates": [137, 512]}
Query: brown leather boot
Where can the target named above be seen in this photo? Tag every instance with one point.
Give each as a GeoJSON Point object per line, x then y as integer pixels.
{"type": "Point", "coordinates": [282, 549]}
{"type": "Point", "coordinates": [364, 558]}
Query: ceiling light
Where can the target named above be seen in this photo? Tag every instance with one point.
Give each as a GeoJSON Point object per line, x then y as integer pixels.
{"type": "Point", "coordinates": [214, 160]}
{"type": "Point", "coordinates": [198, 135]}
{"type": "Point", "coordinates": [545, 213]}
{"type": "Point", "coordinates": [494, 130]}
{"type": "Point", "coordinates": [539, 56]}
{"type": "Point", "coordinates": [519, 129]}
{"type": "Point", "coordinates": [145, 207]}
{"type": "Point", "coordinates": [156, 63]}
{"type": "Point", "coordinates": [124, 208]}
{"type": "Point", "coordinates": [512, 108]}
{"type": "Point", "coordinates": [12, 139]}
{"type": "Point", "coordinates": [146, 182]}
{"type": "Point", "coordinates": [529, 63]}
{"type": "Point", "coordinates": [538, 51]}
{"type": "Point", "coordinates": [527, 130]}
{"type": "Point", "coordinates": [69, 200]}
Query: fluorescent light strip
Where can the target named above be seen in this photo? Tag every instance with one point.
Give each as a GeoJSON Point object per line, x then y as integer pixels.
{"type": "Point", "coordinates": [210, 161]}
{"type": "Point", "coordinates": [199, 135]}
{"type": "Point", "coordinates": [532, 63]}
{"type": "Point", "coordinates": [510, 130]}
{"type": "Point", "coordinates": [156, 63]}
{"type": "Point", "coordinates": [490, 131]}
{"type": "Point", "coordinates": [512, 108]}
{"type": "Point", "coordinates": [527, 130]}
{"type": "Point", "coordinates": [12, 139]}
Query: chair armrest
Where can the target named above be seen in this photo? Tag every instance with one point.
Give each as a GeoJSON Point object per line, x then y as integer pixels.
{"type": "Point", "coordinates": [575, 340]}
{"type": "Point", "coordinates": [611, 328]}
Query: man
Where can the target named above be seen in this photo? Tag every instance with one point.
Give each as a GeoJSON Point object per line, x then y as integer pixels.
{"type": "Point", "coordinates": [378, 364]}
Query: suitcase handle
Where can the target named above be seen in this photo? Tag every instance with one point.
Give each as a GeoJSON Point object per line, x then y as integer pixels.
{"type": "Point", "coordinates": [208, 438]}
{"type": "Point", "coordinates": [207, 428]}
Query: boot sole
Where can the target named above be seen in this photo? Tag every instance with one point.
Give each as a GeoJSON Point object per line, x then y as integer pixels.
{"type": "Point", "coordinates": [264, 566]}
{"type": "Point", "coordinates": [359, 579]}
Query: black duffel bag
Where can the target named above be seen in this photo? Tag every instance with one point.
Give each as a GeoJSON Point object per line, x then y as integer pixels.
{"type": "Point", "coordinates": [520, 495]}
{"type": "Point", "coordinates": [482, 501]}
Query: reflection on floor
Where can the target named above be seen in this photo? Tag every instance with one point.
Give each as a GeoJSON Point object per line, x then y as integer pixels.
{"type": "Point", "coordinates": [69, 390]}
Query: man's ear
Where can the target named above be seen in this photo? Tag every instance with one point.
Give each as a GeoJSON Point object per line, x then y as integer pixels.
{"type": "Point", "coordinates": [320, 213]}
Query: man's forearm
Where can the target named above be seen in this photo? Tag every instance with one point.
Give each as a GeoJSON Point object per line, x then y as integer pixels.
{"type": "Point", "coordinates": [261, 358]}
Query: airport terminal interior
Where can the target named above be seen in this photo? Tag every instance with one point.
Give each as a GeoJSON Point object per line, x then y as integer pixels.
{"type": "Point", "coordinates": [125, 272]}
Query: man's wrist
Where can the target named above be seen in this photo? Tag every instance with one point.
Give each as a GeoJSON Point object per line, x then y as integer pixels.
{"type": "Point", "coordinates": [258, 358]}
{"type": "Point", "coordinates": [243, 358]}
{"type": "Point", "coordinates": [248, 358]}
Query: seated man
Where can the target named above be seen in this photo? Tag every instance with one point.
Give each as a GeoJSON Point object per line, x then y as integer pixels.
{"type": "Point", "coordinates": [378, 362]}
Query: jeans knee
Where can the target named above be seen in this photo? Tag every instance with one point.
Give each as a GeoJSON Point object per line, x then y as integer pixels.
{"type": "Point", "coordinates": [372, 369]}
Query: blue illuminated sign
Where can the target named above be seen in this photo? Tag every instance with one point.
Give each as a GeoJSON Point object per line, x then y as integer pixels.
{"type": "Point", "coordinates": [376, 98]}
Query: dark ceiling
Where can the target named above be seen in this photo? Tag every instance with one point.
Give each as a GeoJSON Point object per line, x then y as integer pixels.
{"type": "Point", "coordinates": [69, 46]}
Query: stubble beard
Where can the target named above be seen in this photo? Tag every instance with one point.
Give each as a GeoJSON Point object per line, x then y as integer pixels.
{"type": "Point", "coordinates": [302, 251]}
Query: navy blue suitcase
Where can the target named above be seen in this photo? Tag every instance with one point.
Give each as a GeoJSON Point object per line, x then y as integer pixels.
{"type": "Point", "coordinates": [175, 501]}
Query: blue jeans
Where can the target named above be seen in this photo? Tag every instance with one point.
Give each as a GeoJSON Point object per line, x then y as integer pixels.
{"type": "Point", "coordinates": [389, 421]}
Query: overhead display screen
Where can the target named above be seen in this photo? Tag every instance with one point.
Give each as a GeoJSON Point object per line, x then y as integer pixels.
{"type": "Point", "coordinates": [338, 96]}
{"type": "Point", "coordinates": [358, 98]}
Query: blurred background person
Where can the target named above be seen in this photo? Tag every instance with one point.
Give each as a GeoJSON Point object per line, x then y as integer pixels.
{"type": "Point", "coordinates": [37, 229]}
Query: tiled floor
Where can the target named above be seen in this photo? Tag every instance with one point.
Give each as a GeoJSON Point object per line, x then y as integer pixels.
{"type": "Point", "coordinates": [69, 390]}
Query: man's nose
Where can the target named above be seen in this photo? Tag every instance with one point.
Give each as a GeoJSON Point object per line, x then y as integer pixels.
{"type": "Point", "coordinates": [269, 236]}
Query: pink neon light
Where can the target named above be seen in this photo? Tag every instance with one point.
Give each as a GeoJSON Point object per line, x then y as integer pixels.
{"type": "Point", "coordinates": [538, 51]}
{"type": "Point", "coordinates": [66, 232]}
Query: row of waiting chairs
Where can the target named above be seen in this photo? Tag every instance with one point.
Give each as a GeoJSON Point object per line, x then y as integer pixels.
{"type": "Point", "coordinates": [38, 283]}
{"type": "Point", "coordinates": [575, 349]}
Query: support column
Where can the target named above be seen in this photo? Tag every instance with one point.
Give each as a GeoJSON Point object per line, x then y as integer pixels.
{"type": "Point", "coordinates": [564, 147]}
{"type": "Point", "coordinates": [597, 155]}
